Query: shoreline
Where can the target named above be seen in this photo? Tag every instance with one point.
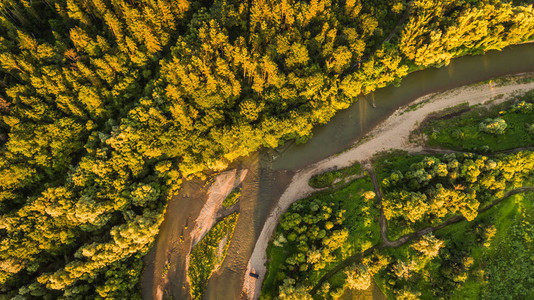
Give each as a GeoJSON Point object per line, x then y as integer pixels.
{"type": "Point", "coordinates": [393, 133]}
{"type": "Point", "coordinates": [224, 184]}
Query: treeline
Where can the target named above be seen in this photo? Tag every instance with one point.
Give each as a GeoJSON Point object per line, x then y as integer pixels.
{"type": "Point", "coordinates": [105, 105]}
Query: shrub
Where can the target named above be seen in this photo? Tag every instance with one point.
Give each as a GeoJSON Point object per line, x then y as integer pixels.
{"type": "Point", "coordinates": [358, 278]}
{"type": "Point", "coordinates": [428, 245]}
{"type": "Point", "coordinates": [523, 106]}
{"type": "Point", "coordinates": [493, 126]}
{"type": "Point", "coordinates": [232, 198]}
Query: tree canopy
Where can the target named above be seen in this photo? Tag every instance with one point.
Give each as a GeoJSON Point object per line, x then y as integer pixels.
{"type": "Point", "coordinates": [105, 105]}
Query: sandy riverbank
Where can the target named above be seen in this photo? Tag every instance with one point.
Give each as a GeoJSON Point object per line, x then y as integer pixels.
{"type": "Point", "coordinates": [218, 191]}
{"type": "Point", "coordinates": [391, 134]}
{"type": "Point", "coordinates": [168, 260]}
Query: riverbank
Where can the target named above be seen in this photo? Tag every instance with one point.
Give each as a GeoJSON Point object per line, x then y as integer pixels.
{"type": "Point", "coordinates": [168, 260]}
{"type": "Point", "coordinates": [391, 134]}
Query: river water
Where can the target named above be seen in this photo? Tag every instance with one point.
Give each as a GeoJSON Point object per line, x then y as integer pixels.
{"type": "Point", "coordinates": [270, 172]}
{"type": "Point", "coordinates": [349, 125]}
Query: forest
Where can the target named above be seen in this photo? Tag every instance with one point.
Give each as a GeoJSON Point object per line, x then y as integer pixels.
{"type": "Point", "coordinates": [107, 105]}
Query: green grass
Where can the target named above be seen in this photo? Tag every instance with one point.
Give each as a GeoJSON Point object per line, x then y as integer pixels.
{"type": "Point", "coordinates": [509, 263]}
{"type": "Point", "coordinates": [364, 232]}
{"type": "Point", "coordinates": [327, 179]}
{"type": "Point", "coordinates": [504, 217]}
{"type": "Point", "coordinates": [232, 198]}
{"type": "Point", "coordinates": [463, 133]}
{"type": "Point", "coordinates": [206, 256]}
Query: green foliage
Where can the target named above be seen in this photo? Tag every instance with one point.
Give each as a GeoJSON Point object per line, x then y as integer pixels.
{"type": "Point", "coordinates": [419, 191]}
{"type": "Point", "coordinates": [483, 259]}
{"type": "Point", "coordinates": [121, 280]}
{"type": "Point", "coordinates": [471, 30]}
{"type": "Point", "coordinates": [209, 253]}
{"type": "Point", "coordinates": [429, 190]}
{"type": "Point", "coordinates": [232, 198]}
{"type": "Point", "coordinates": [106, 105]}
{"type": "Point", "coordinates": [494, 126]}
{"type": "Point", "coordinates": [317, 232]}
{"type": "Point", "coordinates": [480, 130]}
{"type": "Point", "coordinates": [460, 256]}
{"type": "Point", "coordinates": [326, 179]}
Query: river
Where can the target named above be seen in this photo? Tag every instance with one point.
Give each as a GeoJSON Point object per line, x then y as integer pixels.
{"type": "Point", "coordinates": [270, 171]}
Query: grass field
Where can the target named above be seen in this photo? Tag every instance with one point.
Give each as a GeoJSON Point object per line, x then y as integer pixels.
{"type": "Point", "coordinates": [463, 132]}
{"type": "Point", "coordinates": [326, 179]}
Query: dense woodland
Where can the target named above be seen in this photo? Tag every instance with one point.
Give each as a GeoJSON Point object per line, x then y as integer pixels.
{"type": "Point", "coordinates": [105, 105]}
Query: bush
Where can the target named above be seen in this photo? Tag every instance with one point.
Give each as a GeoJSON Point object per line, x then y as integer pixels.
{"type": "Point", "coordinates": [232, 198]}
{"type": "Point", "coordinates": [523, 107]}
{"type": "Point", "coordinates": [493, 126]}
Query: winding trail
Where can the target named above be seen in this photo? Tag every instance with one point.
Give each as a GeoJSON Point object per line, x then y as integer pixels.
{"type": "Point", "coordinates": [393, 133]}
{"type": "Point", "coordinates": [386, 243]}
{"type": "Point", "coordinates": [382, 219]}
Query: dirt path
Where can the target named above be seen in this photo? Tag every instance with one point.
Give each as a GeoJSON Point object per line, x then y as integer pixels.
{"type": "Point", "coordinates": [382, 219]}
{"type": "Point", "coordinates": [391, 134]}
{"type": "Point", "coordinates": [386, 243]}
